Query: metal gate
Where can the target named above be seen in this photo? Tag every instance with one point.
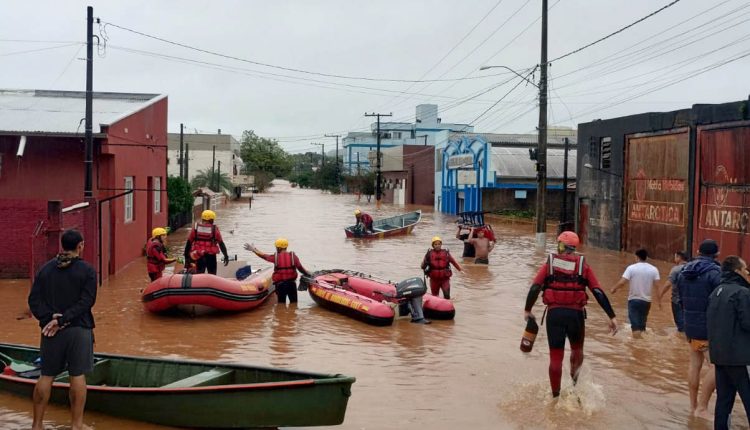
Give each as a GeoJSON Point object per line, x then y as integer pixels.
{"type": "Point", "coordinates": [656, 204]}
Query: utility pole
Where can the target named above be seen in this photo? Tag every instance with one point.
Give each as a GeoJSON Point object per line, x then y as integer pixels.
{"type": "Point", "coordinates": [378, 176]}
{"type": "Point", "coordinates": [182, 152]}
{"type": "Point", "coordinates": [541, 221]}
{"type": "Point", "coordinates": [88, 134]}
{"type": "Point", "coordinates": [358, 171]}
{"type": "Point", "coordinates": [213, 168]}
{"type": "Point", "coordinates": [322, 154]}
{"type": "Point", "coordinates": [338, 179]}
{"type": "Point", "coordinates": [564, 213]}
{"type": "Point", "coordinates": [187, 162]}
{"type": "Point", "coordinates": [218, 177]}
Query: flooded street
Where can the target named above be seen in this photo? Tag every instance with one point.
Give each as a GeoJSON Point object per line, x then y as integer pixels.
{"type": "Point", "coordinates": [467, 373]}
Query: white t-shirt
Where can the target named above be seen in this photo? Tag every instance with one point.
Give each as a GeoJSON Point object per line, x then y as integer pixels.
{"type": "Point", "coordinates": [641, 276]}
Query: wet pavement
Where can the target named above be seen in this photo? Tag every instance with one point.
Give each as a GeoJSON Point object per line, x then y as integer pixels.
{"type": "Point", "coordinates": [467, 373]}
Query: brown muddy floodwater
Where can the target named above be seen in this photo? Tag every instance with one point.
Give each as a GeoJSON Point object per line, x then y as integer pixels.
{"type": "Point", "coordinates": [461, 374]}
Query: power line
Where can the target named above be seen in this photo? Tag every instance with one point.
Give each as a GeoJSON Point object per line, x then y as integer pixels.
{"type": "Point", "coordinates": [456, 45]}
{"type": "Point", "coordinates": [615, 32]}
{"type": "Point", "coordinates": [503, 97]}
{"type": "Point", "coordinates": [289, 69]}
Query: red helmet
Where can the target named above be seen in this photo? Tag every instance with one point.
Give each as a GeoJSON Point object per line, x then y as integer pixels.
{"type": "Point", "coordinates": [569, 238]}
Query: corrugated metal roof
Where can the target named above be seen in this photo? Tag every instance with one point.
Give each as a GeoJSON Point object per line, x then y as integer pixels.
{"type": "Point", "coordinates": [41, 111]}
{"type": "Point", "coordinates": [515, 163]}
{"type": "Point", "coordinates": [519, 139]}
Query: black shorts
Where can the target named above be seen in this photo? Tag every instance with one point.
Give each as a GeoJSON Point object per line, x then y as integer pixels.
{"type": "Point", "coordinates": [565, 323]}
{"type": "Point", "coordinates": [71, 349]}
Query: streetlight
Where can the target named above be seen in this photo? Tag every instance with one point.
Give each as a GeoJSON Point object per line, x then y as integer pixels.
{"type": "Point", "coordinates": [541, 152]}
{"type": "Point", "coordinates": [511, 70]}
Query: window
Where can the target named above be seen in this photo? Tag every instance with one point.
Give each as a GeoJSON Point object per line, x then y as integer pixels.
{"type": "Point", "coordinates": [396, 135]}
{"type": "Point", "coordinates": [439, 161]}
{"type": "Point", "coordinates": [605, 154]}
{"type": "Point", "coordinates": [157, 194]}
{"type": "Point", "coordinates": [129, 199]}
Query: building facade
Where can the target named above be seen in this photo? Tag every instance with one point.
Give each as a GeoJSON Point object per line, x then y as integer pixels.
{"type": "Point", "coordinates": [495, 172]}
{"type": "Point", "coordinates": [665, 181]}
{"type": "Point", "coordinates": [407, 173]}
{"type": "Point", "coordinates": [425, 130]}
{"type": "Point", "coordinates": [202, 151]}
{"type": "Point", "coordinates": [42, 173]}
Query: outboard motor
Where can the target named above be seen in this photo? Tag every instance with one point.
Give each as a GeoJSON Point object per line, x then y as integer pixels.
{"type": "Point", "coordinates": [411, 287]}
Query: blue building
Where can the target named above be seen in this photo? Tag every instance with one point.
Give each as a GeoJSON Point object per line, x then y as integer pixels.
{"type": "Point", "coordinates": [425, 130]}
{"type": "Point", "coordinates": [493, 172]}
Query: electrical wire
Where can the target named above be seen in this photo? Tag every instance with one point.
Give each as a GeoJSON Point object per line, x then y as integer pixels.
{"type": "Point", "coordinates": [575, 51]}
{"type": "Point", "coordinates": [289, 69]}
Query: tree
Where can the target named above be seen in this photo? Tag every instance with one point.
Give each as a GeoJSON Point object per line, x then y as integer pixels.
{"type": "Point", "coordinates": [180, 201]}
{"type": "Point", "coordinates": [262, 155]}
{"type": "Point", "coordinates": [215, 180]}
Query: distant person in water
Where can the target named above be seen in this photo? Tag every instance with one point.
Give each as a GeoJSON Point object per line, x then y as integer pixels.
{"type": "Point", "coordinates": [680, 259]}
{"type": "Point", "coordinates": [642, 278]}
{"type": "Point", "coordinates": [482, 245]}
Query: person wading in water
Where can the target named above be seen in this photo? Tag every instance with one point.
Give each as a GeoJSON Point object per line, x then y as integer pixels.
{"type": "Point", "coordinates": [436, 265]}
{"type": "Point", "coordinates": [563, 280]}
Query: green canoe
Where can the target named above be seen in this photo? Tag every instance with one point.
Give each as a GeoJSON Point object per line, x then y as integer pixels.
{"type": "Point", "coordinates": [192, 393]}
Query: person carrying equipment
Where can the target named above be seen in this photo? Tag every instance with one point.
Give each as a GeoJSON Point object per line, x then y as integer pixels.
{"type": "Point", "coordinates": [563, 280]}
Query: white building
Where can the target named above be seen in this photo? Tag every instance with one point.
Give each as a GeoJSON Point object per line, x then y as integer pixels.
{"type": "Point", "coordinates": [425, 130]}
{"type": "Point", "coordinates": [200, 154]}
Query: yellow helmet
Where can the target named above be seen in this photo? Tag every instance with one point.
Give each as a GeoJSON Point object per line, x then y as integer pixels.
{"type": "Point", "coordinates": [281, 243]}
{"type": "Point", "coordinates": [208, 215]}
{"type": "Point", "coordinates": [158, 231]}
{"type": "Point", "coordinates": [357, 212]}
{"type": "Point", "coordinates": [436, 239]}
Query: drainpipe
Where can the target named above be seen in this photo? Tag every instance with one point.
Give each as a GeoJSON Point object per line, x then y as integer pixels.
{"type": "Point", "coordinates": [21, 146]}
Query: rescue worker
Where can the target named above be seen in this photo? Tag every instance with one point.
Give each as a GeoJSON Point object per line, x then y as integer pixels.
{"type": "Point", "coordinates": [364, 222]}
{"type": "Point", "coordinates": [205, 240]}
{"type": "Point", "coordinates": [436, 265]}
{"type": "Point", "coordinates": [156, 256]}
{"type": "Point", "coordinates": [285, 267]}
{"type": "Point", "coordinates": [563, 280]}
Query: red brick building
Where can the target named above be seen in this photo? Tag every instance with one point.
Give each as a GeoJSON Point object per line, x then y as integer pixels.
{"type": "Point", "coordinates": [409, 175]}
{"type": "Point", "coordinates": [42, 161]}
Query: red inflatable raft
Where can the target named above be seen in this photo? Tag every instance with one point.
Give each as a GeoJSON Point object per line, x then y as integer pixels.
{"type": "Point", "coordinates": [356, 294]}
{"type": "Point", "coordinates": [204, 293]}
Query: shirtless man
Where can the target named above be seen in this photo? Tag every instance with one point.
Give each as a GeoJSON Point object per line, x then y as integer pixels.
{"type": "Point", "coordinates": [482, 246]}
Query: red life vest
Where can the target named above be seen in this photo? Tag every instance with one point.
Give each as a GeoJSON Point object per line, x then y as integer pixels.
{"type": "Point", "coordinates": [153, 248]}
{"type": "Point", "coordinates": [205, 238]}
{"type": "Point", "coordinates": [283, 267]}
{"type": "Point", "coordinates": [439, 264]}
{"type": "Point", "coordinates": [565, 285]}
{"type": "Point", "coordinates": [366, 220]}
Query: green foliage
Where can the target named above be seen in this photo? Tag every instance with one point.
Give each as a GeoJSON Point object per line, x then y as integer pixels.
{"type": "Point", "coordinates": [364, 184]}
{"type": "Point", "coordinates": [215, 180]}
{"type": "Point", "coordinates": [515, 213]}
{"type": "Point", "coordinates": [179, 195]}
{"type": "Point", "coordinates": [264, 159]}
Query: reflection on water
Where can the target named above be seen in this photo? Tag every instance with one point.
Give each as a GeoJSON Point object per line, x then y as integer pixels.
{"type": "Point", "coordinates": [467, 373]}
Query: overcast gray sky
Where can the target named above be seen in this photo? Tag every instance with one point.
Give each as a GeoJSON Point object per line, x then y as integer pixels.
{"type": "Point", "coordinates": [670, 61]}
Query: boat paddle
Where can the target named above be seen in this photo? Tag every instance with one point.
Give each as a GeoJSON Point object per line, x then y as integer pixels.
{"type": "Point", "coordinates": [17, 366]}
